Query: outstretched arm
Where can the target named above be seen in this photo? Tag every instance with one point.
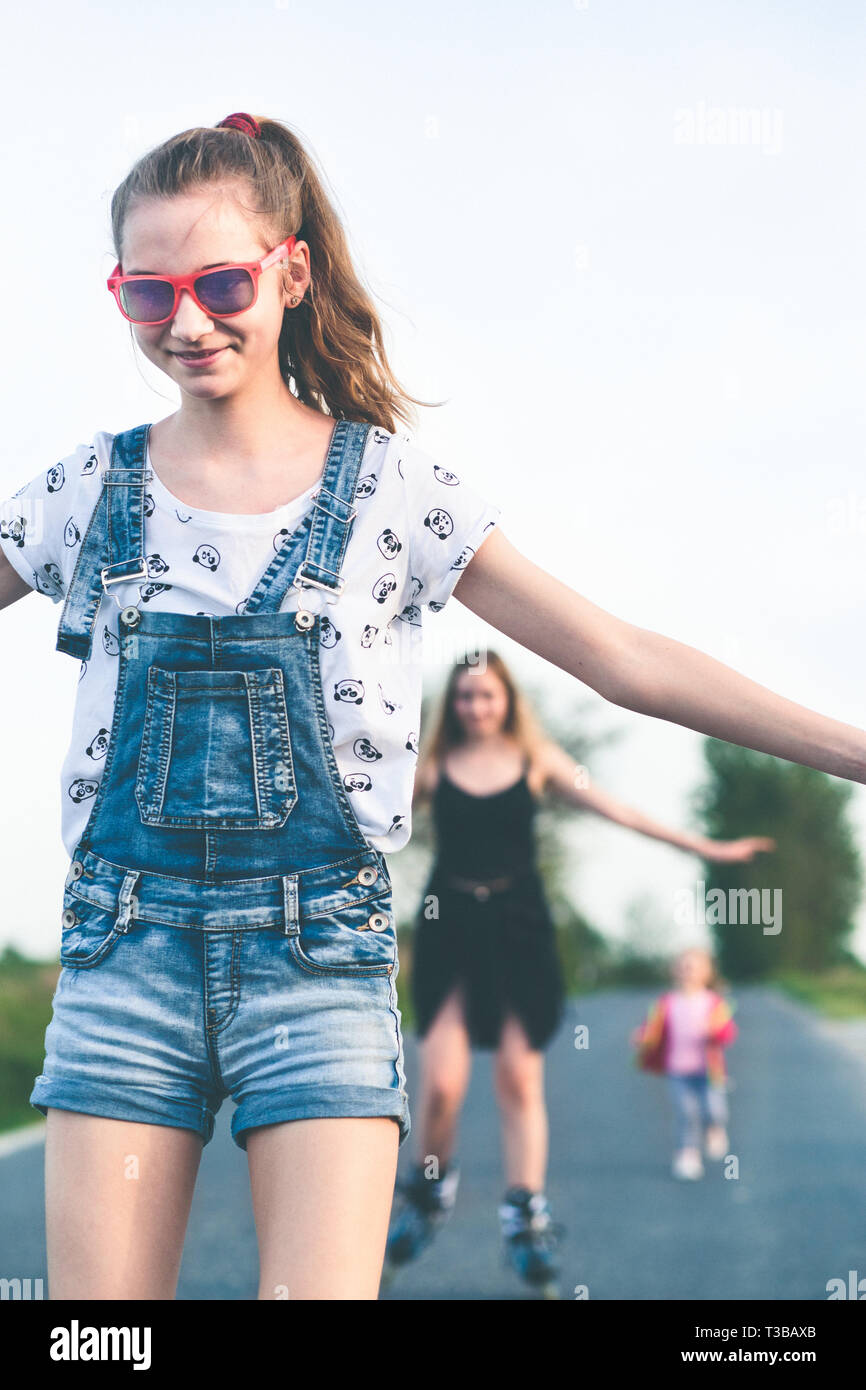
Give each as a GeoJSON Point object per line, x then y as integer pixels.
{"type": "Point", "coordinates": [570, 781]}
{"type": "Point", "coordinates": [645, 671]}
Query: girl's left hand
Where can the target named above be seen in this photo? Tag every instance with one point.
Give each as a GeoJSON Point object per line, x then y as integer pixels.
{"type": "Point", "coordinates": [737, 851]}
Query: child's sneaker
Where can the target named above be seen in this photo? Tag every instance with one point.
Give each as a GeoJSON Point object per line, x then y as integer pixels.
{"type": "Point", "coordinates": [687, 1165]}
{"type": "Point", "coordinates": [716, 1142]}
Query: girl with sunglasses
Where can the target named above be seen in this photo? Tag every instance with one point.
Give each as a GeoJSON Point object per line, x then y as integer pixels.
{"type": "Point", "coordinates": [243, 584]}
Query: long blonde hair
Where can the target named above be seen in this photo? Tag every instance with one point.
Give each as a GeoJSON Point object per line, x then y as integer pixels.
{"type": "Point", "coordinates": [447, 732]}
{"type": "Point", "coordinates": [331, 348]}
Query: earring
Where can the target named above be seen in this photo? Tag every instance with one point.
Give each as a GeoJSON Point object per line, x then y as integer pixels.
{"type": "Point", "coordinates": [295, 299]}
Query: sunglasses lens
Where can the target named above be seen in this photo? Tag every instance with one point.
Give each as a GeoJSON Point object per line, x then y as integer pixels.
{"type": "Point", "coordinates": [147, 301]}
{"type": "Point", "coordinates": [226, 291]}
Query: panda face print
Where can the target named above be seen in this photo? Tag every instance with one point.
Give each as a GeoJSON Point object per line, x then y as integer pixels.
{"type": "Point", "coordinates": [91, 465]}
{"type": "Point", "coordinates": [463, 558]}
{"type": "Point", "coordinates": [411, 614]}
{"type": "Point", "coordinates": [50, 582]}
{"type": "Point", "coordinates": [148, 504]}
{"type": "Point", "coordinates": [365, 750]}
{"type": "Point", "coordinates": [14, 529]}
{"type": "Point", "coordinates": [379, 436]}
{"type": "Point", "coordinates": [283, 535]}
{"type": "Point", "coordinates": [330, 730]}
{"type": "Point", "coordinates": [365, 486]}
{"type": "Point", "coordinates": [384, 587]}
{"type": "Point", "coordinates": [388, 543]}
{"type": "Point", "coordinates": [208, 556]}
{"type": "Point", "coordinates": [396, 822]}
{"type": "Point", "coordinates": [400, 467]}
{"type": "Point", "coordinates": [442, 474]}
{"type": "Point", "coordinates": [180, 516]}
{"type": "Point", "coordinates": [357, 782]}
{"type": "Point", "coordinates": [82, 670]}
{"type": "Point", "coordinates": [200, 613]}
{"type": "Point", "coordinates": [417, 586]}
{"type": "Point", "coordinates": [81, 789]}
{"type": "Point", "coordinates": [368, 636]}
{"type": "Point", "coordinates": [156, 566]}
{"type": "Point", "coordinates": [98, 747]}
{"type": "Point", "coordinates": [242, 606]}
{"type": "Point", "coordinates": [386, 705]}
{"type": "Point", "coordinates": [411, 743]}
{"type": "Point", "coordinates": [440, 523]}
{"type": "Point", "coordinates": [71, 533]}
{"type": "Point", "coordinates": [350, 692]}
{"type": "Point", "coordinates": [149, 591]}
{"type": "Point", "coordinates": [110, 641]}
{"type": "Point", "coordinates": [55, 478]}
{"type": "Point", "coordinates": [434, 606]}
{"type": "Point", "coordinates": [328, 634]}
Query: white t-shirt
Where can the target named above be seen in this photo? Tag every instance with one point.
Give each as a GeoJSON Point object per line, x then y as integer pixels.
{"type": "Point", "coordinates": [209, 562]}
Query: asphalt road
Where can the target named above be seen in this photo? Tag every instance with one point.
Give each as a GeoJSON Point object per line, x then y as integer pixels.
{"type": "Point", "coordinates": [793, 1219]}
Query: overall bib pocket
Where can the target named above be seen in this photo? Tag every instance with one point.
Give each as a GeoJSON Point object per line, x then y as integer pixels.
{"type": "Point", "coordinates": [215, 751]}
{"type": "Point", "coordinates": [348, 931]}
{"type": "Point", "coordinates": [88, 932]}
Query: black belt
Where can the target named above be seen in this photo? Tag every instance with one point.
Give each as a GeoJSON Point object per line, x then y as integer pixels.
{"type": "Point", "coordinates": [480, 888]}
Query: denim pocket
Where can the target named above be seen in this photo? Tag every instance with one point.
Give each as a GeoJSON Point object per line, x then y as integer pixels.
{"type": "Point", "coordinates": [348, 931]}
{"type": "Point", "coordinates": [215, 751]}
{"type": "Point", "coordinates": [89, 939]}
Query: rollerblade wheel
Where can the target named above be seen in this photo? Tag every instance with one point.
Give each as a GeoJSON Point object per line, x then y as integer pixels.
{"type": "Point", "coordinates": [549, 1291]}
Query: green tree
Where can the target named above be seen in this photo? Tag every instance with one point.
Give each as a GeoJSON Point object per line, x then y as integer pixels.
{"type": "Point", "coordinates": [816, 863]}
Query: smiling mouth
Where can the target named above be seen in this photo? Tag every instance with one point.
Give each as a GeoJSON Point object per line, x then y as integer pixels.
{"type": "Point", "coordinates": [209, 352]}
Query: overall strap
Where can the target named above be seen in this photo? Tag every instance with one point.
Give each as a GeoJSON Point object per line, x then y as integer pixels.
{"type": "Point", "coordinates": [113, 545]}
{"type": "Point", "coordinates": [328, 526]}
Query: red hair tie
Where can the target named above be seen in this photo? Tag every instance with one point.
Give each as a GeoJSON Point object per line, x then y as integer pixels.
{"type": "Point", "coordinates": [241, 120]}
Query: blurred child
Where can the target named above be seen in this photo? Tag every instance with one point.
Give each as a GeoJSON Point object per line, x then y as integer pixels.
{"type": "Point", "coordinates": [683, 1037]}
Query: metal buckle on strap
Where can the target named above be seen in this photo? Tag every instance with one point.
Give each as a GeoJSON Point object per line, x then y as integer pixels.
{"type": "Point", "coordinates": [353, 512]}
{"type": "Point", "coordinates": [331, 591]}
{"type": "Point", "coordinates": [141, 572]}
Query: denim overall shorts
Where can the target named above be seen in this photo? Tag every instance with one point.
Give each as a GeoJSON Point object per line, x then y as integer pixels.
{"type": "Point", "coordinates": [227, 927]}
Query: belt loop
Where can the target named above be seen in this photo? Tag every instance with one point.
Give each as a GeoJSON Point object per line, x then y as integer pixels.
{"type": "Point", "coordinates": [290, 904]}
{"type": "Point", "coordinates": [127, 901]}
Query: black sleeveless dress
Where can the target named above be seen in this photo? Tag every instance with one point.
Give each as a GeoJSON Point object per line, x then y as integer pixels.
{"type": "Point", "coordinates": [495, 940]}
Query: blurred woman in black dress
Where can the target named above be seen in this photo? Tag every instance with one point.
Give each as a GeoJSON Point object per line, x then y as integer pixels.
{"type": "Point", "coordinates": [485, 967]}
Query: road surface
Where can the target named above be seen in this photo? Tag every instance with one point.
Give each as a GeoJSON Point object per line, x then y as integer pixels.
{"type": "Point", "coordinates": [793, 1219]}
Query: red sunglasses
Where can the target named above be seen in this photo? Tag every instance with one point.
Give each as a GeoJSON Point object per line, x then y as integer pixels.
{"type": "Point", "coordinates": [228, 290]}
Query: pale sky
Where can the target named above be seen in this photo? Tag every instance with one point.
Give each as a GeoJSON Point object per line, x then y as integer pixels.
{"type": "Point", "coordinates": [624, 242]}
